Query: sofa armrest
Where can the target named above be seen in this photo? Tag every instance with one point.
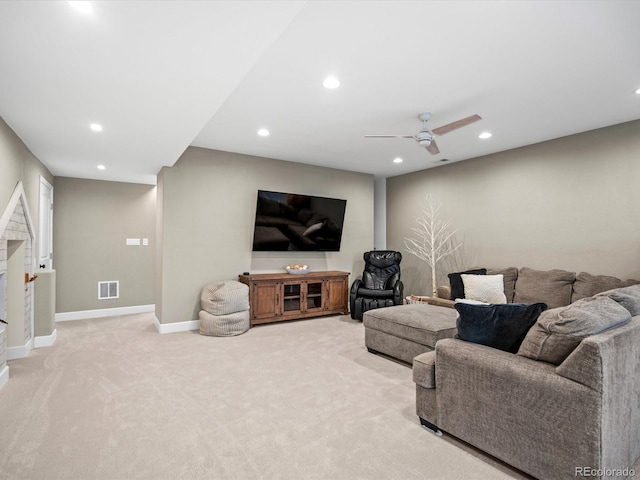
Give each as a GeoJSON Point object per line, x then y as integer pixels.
{"type": "Point", "coordinates": [424, 370]}
{"type": "Point", "coordinates": [444, 291]}
{"type": "Point", "coordinates": [441, 302]}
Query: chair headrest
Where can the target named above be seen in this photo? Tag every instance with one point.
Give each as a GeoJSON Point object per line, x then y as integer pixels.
{"type": "Point", "coordinates": [382, 258]}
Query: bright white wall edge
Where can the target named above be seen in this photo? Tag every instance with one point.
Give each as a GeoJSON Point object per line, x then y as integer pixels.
{"type": "Point", "coordinates": [4, 376]}
{"type": "Point", "coordinates": [106, 312]}
{"type": "Point", "coordinates": [176, 327]}
{"type": "Point", "coordinates": [14, 353]}
{"type": "Point", "coordinates": [46, 340]}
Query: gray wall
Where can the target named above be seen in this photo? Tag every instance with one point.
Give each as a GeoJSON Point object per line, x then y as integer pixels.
{"type": "Point", "coordinates": [17, 163]}
{"type": "Point", "coordinates": [207, 215]}
{"type": "Point", "coordinates": [92, 220]}
{"type": "Point", "coordinates": [571, 203]}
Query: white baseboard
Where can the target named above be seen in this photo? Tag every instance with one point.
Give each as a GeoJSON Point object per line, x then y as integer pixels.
{"type": "Point", "coordinates": [13, 353]}
{"type": "Point", "coordinates": [105, 312]}
{"type": "Point", "coordinates": [46, 340]}
{"type": "Point", "coordinates": [4, 376]}
{"type": "Point", "coordinates": [176, 327]}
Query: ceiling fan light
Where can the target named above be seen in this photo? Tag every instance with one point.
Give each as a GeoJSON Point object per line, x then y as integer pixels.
{"type": "Point", "coordinates": [424, 138]}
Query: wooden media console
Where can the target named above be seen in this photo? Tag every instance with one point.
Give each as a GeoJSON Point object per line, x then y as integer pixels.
{"type": "Point", "coordinates": [275, 297]}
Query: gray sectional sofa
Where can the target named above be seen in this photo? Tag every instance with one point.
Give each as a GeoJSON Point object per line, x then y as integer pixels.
{"type": "Point", "coordinates": [404, 331]}
{"type": "Point", "coordinates": [567, 404]}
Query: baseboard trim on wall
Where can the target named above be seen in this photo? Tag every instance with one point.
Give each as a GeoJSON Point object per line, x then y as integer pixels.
{"type": "Point", "coordinates": [104, 312]}
{"type": "Point", "coordinates": [4, 376]}
{"type": "Point", "coordinates": [176, 327]}
{"type": "Point", "coordinates": [46, 340]}
{"type": "Point", "coordinates": [14, 353]}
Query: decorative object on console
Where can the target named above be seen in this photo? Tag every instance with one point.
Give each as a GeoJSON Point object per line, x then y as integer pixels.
{"type": "Point", "coordinates": [298, 269]}
{"type": "Point", "coordinates": [434, 239]}
{"type": "Point", "coordinates": [501, 326]}
{"type": "Point", "coordinates": [484, 288]}
{"type": "Point", "coordinates": [380, 284]}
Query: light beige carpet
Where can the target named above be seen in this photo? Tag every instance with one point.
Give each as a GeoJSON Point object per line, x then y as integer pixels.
{"type": "Point", "coordinates": [113, 399]}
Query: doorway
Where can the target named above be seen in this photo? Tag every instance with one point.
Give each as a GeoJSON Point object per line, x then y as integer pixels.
{"type": "Point", "coordinates": [45, 242]}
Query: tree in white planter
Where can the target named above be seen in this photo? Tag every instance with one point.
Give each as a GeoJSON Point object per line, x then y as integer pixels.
{"type": "Point", "coordinates": [433, 238]}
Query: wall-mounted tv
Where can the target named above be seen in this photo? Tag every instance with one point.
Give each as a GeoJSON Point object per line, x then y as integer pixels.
{"type": "Point", "coordinates": [295, 222]}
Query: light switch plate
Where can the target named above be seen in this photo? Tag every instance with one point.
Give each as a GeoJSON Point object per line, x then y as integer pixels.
{"type": "Point", "coordinates": [133, 241]}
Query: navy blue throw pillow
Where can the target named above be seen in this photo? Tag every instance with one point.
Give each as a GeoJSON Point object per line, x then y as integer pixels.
{"type": "Point", "coordinates": [457, 286]}
{"type": "Point", "coordinates": [501, 326]}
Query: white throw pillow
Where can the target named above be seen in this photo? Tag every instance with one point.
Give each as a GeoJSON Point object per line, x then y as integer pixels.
{"type": "Point", "coordinates": [484, 288]}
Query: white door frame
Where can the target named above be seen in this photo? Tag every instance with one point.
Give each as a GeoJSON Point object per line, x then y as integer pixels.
{"type": "Point", "coordinates": [42, 217]}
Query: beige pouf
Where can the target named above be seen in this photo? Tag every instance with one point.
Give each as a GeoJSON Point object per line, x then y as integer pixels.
{"type": "Point", "coordinates": [225, 309]}
{"type": "Point", "coordinates": [222, 298]}
{"type": "Point", "coordinates": [224, 325]}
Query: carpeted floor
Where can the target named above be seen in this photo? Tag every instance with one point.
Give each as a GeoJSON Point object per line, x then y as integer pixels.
{"type": "Point", "coordinates": [113, 399]}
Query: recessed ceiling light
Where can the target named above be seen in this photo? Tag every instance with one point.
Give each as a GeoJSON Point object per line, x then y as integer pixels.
{"type": "Point", "coordinates": [638, 91]}
{"type": "Point", "coordinates": [84, 7]}
{"type": "Point", "coordinates": [397, 160]}
{"type": "Point", "coordinates": [263, 132]}
{"type": "Point", "coordinates": [485, 135]}
{"type": "Point", "coordinates": [101, 167]}
{"type": "Point", "coordinates": [331, 82]}
{"type": "Point", "coordinates": [96, 127]}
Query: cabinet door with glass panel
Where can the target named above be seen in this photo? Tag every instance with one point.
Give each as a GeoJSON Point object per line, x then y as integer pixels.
{"type": "Point", "coordinates": [301, 297]}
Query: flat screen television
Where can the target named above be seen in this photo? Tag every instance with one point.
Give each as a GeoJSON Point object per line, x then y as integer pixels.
{"type": "Point", "coordinates": [295, 222]}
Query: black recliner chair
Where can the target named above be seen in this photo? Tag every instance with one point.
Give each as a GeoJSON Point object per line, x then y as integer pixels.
{"type": "Point", "coordinates": [380, 285]}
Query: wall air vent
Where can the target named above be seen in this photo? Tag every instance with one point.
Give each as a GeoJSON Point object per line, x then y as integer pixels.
{"type": "Point", "coordinates": [108, 290]}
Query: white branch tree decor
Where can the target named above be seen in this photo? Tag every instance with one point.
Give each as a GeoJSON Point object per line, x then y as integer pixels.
{"type": "Point", "coordinates": [433, 238]}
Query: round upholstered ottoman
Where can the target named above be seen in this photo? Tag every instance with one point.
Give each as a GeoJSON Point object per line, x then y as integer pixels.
{"type": "Point", "coordinates": [225, 308]}
{"type": "Point", "coordinates": [224, 325]}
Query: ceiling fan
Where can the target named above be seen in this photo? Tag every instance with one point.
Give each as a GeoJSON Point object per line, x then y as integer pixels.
{"type": "Point", "coordinates": [425, 136]}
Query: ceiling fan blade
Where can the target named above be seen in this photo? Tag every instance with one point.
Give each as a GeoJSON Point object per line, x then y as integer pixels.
{"type": "Point", "coordinates": [433, 148]}
{"type": "Point", "coordinates": [388, 136]}
{"type": "Point", "coordinates": [452, 126]}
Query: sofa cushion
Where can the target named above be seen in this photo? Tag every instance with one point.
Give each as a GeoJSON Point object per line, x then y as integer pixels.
{"type": "Point", "coordinates": [498, 326]}
{"type": "Point", "coordinates": [560, 330]}
{"type": "Point", "coordinates": [587, 285]}
{"type": "Point", "coordinates": [455, 280]}
{"type": "Point", "coordinates": [628, 297]}
{"type": "Point", "coordinates": [484, 288]}
{"type": "Point", "coordinates": [552, 287]}
{"type": "Point", "coordinates": [510, 275]}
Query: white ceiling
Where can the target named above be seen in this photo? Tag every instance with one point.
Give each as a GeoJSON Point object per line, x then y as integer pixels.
{"type": "Point", "coordinates": [160, 76]}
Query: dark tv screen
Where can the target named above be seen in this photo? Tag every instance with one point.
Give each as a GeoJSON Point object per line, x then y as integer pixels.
{"type": "Point", "coordinates": [295, 222]}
